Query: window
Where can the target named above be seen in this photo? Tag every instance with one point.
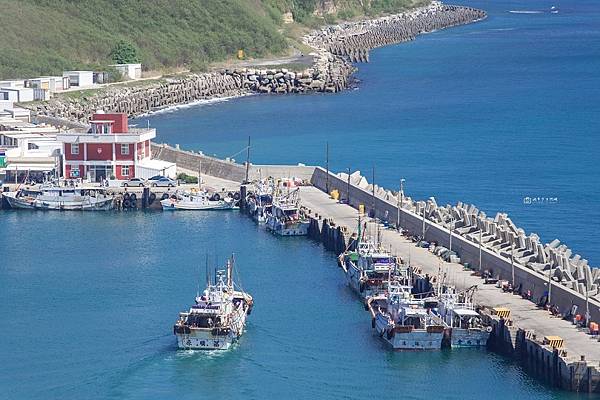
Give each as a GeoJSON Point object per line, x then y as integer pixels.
{"type": "Point", "coordinates": [125, 170]}
{"type": "Point", "coordinates": [74, 148]}
{"type": "Point", "coordinates": [125, 149]}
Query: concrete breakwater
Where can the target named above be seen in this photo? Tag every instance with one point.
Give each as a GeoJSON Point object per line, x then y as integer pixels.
{"type": "Point", "coordinates": [354, 40]}
{"type": "Point", "coordinates": [526, 334]}
{"type": "Point", "coordinates": [335, 48]}
{"type": "Point", "coordinates": [550, 271]}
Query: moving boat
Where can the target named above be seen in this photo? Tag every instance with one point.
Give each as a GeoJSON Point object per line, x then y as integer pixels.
{"type": "Point", "coordinates": [285, 218]}
{"type": "Point", "coordinates": [404, 322]}
{"type": "Point", "coordinates": [218, 317]}
{"type": "Point", "coordinates": [464, 323]}
{"type": "Point", "coordinates": [554, 10]}
{"type": "Point", "coordinates": [61, 198]}
{"type": "Point", "coordinates": [200, 200]}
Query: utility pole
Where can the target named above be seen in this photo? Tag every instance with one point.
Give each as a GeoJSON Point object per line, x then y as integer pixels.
{"type": "Point", "coordinates": [512, 263]}
{"type": "Point", "coordinates": [248, 161]}
{"type": "Point", "coordinates": [423, 233]}
{"type": "Point", "coordinates": [450, 230]}
{"type": "Point", "coordinates": [373, 195]}
{"type": "Point", "coordinates": [480, 233]}
{"type": "Point", "coordinates": [348, 192]}
{"type": "Point", "coordinates": [400, 194]}
{"type": "Point", "coordinates": [327, 167]}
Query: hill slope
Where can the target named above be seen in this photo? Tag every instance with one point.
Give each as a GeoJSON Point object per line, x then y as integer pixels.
{"type": "Point", "coordinates": [42, 37]}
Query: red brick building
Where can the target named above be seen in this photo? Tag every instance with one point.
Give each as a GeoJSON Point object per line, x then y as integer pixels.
{"type": "Point", "coordinates": [109, 148]}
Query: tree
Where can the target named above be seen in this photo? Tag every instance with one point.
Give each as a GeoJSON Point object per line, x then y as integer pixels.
{"type": "Point", "coordinates": [124, 53]}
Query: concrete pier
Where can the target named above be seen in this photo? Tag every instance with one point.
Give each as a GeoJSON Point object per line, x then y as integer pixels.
{"type": "Point", "coordinates": [575, 366]}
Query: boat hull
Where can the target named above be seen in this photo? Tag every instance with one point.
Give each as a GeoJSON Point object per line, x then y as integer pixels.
{"type": "Point", "coordinates": [408, 339]}
{"type": "Point", "coordinates": [83, 204]}
{"type": "Point", "coordinates": [205, 340]}
{"type": "Point", "coordinates": [299, 228]}
{"type": "Point", "coordinates": [169, 205]}
{"type": "Point", "coordinates": [468, 337]}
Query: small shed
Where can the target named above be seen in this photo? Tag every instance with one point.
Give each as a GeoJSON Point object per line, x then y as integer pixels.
{"type": "Point", "coordinates": [80, 78]}
{"type": "Point", "coordinates": [129, 71]}
{"type": "Point", "coordinates": [17, 95]}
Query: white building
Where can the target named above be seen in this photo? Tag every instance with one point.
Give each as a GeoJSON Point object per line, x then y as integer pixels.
{"type": "Point", "coordinates": [80, 78]}
{"type": "Point", "coordinates": [29, 151]}
{"type": "Point", "coordinates": [50, 83]}
{"type": "Point", "coordinates": [13, 83]}
{"type": "Point", "coordinates": [17, 95]}
{"type": "Point", "coordinates": [129, 71]}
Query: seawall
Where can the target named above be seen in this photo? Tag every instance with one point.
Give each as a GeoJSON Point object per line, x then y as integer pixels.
{"type": "Point", "coordinates": [335, 48]}
{"type": "Point", "coordinates": [526, 334]}
{"type": "Point", "coordinates": [532, 276]}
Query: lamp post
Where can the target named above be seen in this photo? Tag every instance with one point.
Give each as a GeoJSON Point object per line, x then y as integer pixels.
{"type": "Point", "coordinates": [512, 263]}
{"type": "Point", "coordinates": [400, 201]}
{"type": "Point", "coordinates": [480, 269]}
{"type": "Point", "coordinates": [450, 230]}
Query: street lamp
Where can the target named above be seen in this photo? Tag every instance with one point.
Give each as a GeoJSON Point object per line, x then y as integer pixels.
{"type": "Point", "coordinates": [400, 202]}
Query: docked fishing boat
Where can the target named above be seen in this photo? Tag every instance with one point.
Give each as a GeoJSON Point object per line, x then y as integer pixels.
{"type": "Point", "coordinates": [368, 269]}
{"type": "Point", "coordinates": [285, 218]}
{"type": "Point", "coordinates": [200, 200]}
{"type": "Point", "coordinates": [463, 323]}
{"type": "Point", "coordinates": [218, 317]}
{"type": "Point", "coordinates": [61, 198]}
{"type": "Point", "coordinates": [406, 323]}
{"type": "Point", "coordinates": [260, 202]}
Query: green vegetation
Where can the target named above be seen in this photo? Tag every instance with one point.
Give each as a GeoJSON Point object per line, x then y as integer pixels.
{"type": "Point", "coordinates": [124, 53]}
{"type": "Point", "coordinates": [45, 37]}
{"type": "Point", "coordinates": [187, 178]}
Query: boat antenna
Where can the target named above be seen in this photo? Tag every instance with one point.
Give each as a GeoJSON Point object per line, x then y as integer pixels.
{"type": "Point", "coordinates": [206, 271]}
{"type": "Point", "coordinates": [200, 175]}
{"type": "Point", "coordinates": [248, 161]}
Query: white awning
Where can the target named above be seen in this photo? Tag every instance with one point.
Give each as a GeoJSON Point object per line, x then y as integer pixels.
{"type": "Point", "coordinates": [463, 312]}
{"type": "Point", "coordinates": [30, 167]}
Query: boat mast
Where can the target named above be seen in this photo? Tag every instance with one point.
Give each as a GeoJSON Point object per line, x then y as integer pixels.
{"type": "Point", "coordinates": [200, 176]}
{"type": "Point", "coordinates": [230, 270]}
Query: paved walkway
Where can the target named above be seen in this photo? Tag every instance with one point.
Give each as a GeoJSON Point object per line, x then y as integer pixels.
{"type": "Point", "coordinates": [524, 313]}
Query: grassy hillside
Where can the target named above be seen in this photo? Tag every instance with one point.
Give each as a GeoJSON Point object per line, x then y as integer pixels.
{"type": "Point", "coordinates": [41, 37]}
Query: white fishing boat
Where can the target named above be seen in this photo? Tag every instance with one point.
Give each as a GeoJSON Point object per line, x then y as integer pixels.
{"type": "Point", "coordinates": [368, 269]}
{"type": "Point", "coordinates": [285, 218]}
{"type": "Point", "coordinates": [260, 201]}
{"type": "Point", "coordinates": [218, 317]}
{"type": "Point", "coordinates": [199, 200]}
{"type": "Point", "coordinates": [61, 198]}
{"type": "Point", "coordinates": [403, 321]}
{"type": "Point", "coordinates": [465, 325]}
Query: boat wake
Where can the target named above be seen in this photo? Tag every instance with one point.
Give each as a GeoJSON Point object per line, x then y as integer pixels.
{"type": "Point", "coordinates": [525, 12]}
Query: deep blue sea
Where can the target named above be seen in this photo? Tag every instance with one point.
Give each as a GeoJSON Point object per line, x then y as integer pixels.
{"type": "Point", "coordinates": [489, 113]}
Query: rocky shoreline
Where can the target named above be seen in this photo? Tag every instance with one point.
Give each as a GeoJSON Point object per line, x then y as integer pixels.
{"type": "Point", "coordinates": [336, 48]}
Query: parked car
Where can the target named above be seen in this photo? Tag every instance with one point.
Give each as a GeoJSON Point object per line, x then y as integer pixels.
{"type": "Point", "coordinates": [164, 182]}
{"type": "Point", "coordinates": [155, 178]}
{"type": "Point", "coordinates": [138, 182]}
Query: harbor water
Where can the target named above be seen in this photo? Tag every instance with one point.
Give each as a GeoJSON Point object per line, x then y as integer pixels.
{"type": "Point", "coordinates": [496, 113]}
{"type": "Point", "coordinates": [504, 114]}
{"type": "Point", "coordinates": [87, 312]}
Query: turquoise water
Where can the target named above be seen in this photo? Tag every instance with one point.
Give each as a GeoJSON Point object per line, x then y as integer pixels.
{"type": "Point", "coordinates": [489, 113]}
{"type": "Point", "coordinates": [87, 312]}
